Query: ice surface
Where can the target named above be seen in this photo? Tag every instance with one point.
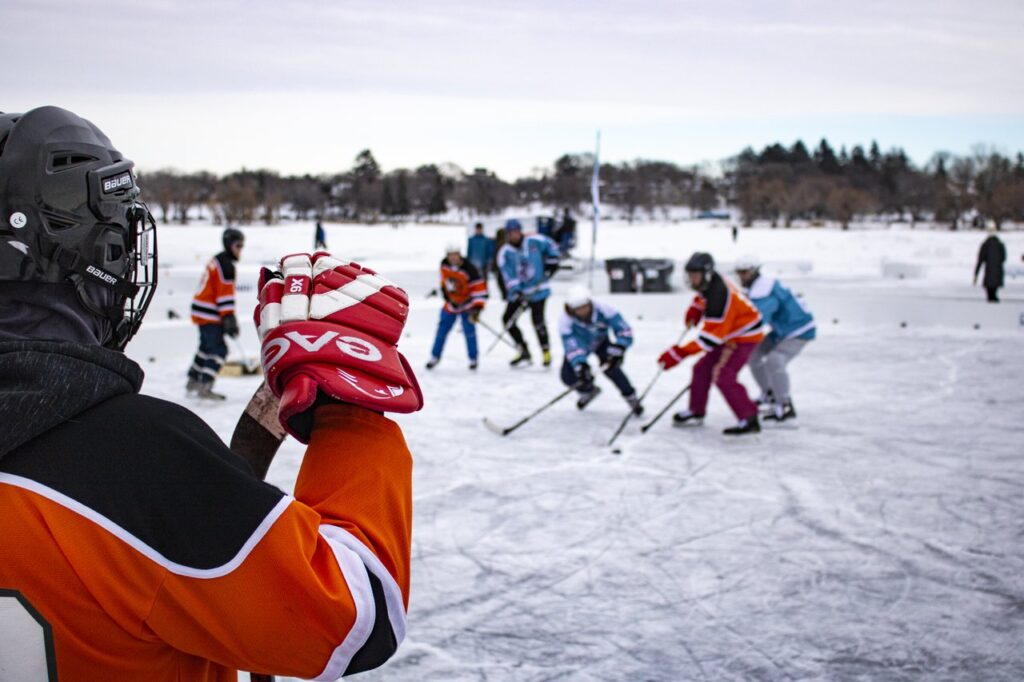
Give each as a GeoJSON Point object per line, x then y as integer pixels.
{"type": "Point", "coordinates": [880, 539]}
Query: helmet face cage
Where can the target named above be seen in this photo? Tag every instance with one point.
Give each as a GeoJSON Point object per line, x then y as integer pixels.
{"type": "Point", "coordinates": [141, 271]}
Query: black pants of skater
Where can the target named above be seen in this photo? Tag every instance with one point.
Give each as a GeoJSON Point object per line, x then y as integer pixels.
{"type": "Point", "coordinates": [536, 315]}
{"type": "Point", "coordinates": [617, 376]}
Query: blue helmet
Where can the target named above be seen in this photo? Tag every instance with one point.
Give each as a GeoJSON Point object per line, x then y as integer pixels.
{"type": "Point", "coordinates": [513, 224]}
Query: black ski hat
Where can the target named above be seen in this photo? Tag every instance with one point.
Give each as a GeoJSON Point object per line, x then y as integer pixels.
{"type": "Point", "coordinates": [69, 213]}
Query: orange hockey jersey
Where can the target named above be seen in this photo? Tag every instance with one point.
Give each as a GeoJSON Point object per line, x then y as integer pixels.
{"type": "Point", "coordinates": [727, 317]}
{"type": "Point", "coordinates": [136, 546]}
{"type": "Point", "coordinates": [463, 286]}
{"type": "Point", "coordinates": [215, 298]}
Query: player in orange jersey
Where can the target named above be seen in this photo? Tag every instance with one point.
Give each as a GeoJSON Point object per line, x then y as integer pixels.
{"type": "Point", "coordinates": [465, 294]}
{"type": "Point", "coordinates": [730, 329]}
{"type": "Point", "coordinates": [136, 545]}
{"type": "Point", "coordinates": [213, 311]}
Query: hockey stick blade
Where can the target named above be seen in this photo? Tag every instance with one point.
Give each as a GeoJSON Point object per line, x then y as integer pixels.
{"type": "Point", "coordinates": [494, 428]}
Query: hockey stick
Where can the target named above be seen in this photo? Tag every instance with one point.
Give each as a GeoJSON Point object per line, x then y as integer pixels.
{"type": "Point", "coordinates": [249, 367]}
{"type": "Point", "coordinates": [661, 370]}
{"type": "Point", "coordinates": [491, 426]}
{"type": "Point", "coordinates": [643, 429]}
{"type": "Point", "coordinates": [511, 323]}
{"type": "Point", "coordinates": [629, 414]}
{"type": "Point", "coordinates": [501, 337]}
{"type": "Point", "coordinates": [257, 438]}
{"type": "Point", "coordinates": [494, 428]}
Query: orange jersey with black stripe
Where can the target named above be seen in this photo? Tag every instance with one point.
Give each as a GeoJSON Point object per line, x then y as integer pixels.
{"type": "Point", "coordinates": [215, 298]}
{"type": "Point", "coordinates": [726, 316]}
{"type": "Point", "coordinates": [463, 286]}
{"type": "Point", "coordinates": [157, 555]}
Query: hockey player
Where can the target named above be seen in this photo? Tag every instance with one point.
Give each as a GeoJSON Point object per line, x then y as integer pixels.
{"type": "Point", "coordinates": [584, 328]}
{"type": "Point", "coordinates": [526, 264]}
{"type": "Point", "coordinates": [792, 328]}
{"type": "Point", "coordinates": [135, 544]}
{"type": "Point", "coordinates": [730, 329]}
{"type": "Point", "coordinates": [465, 294]}
{"type": "Point", "coordinates": [213, 312]}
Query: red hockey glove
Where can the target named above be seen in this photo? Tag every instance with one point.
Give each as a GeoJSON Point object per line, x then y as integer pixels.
{"type": "Point", "coordinates": [693, 315]}
{"type": "Point", "coordinates": [672, 357]}
{"type": "Point", "coordinates": [329, 330]}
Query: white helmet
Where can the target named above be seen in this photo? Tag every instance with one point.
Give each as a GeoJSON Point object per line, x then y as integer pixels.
{"type": "Point", "coordinates": [577, 296]}
{"type": "Point", "coordinates": [453, 248]}
{"type": "Point", "coordinates": [747, 262]}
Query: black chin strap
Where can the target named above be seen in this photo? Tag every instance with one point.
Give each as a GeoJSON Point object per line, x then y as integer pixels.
{"type": "Point", "coordinates": [81, 273]}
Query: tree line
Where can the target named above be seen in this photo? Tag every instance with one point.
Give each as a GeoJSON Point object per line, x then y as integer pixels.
{"type": "Point", "coordinates": [779, 184]}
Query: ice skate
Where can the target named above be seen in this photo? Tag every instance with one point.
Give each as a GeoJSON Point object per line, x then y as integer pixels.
{"type": "Point", "coordinates": [586, 397]}
{"type": "Point", "coordinates": [473, 364]}
{"type": "Point", "coordinates": [432, 363]}
{"type": "Point", "coordinates": [686, 418]}
{"type": "Point", "coordinates": [634, 404]}
{"type": "Point", "coordinates": [191, 386]}
{"type": "Point", "coordinates": [547, 358]}
{"type": "Point", "coordinates": [521, 360]}
{"type": "Point", "coordinates": [206, 392]}
{"type": "Point", "coordinates": [781, 413]}
{"type": "Point", "coordinates": [745, 426]}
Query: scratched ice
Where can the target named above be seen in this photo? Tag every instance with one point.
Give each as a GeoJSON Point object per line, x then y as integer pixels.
{"type": "Point", "coordinates": [881, 539]}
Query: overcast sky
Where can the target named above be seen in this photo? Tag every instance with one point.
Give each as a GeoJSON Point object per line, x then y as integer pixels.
{"type": "Point", "coordinates": [302, 86]}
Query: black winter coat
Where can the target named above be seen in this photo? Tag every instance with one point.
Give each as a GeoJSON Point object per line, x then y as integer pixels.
{"type": "Point", "coordinates": [992, 255]}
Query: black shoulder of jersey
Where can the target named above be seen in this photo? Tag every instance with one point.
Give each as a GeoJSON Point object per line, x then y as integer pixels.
{"type": "Point", "coordinates": [227, 265]}
{"type": "Point", "coordinates": [716, 297]}
{"type": "Point", "coordinates": [471, 270]}
{"type": "Point", "coordinates": [156, 470]}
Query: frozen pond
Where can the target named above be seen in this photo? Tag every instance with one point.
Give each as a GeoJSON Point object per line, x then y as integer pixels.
{"type": "Point", "coordinates": [880, 539]}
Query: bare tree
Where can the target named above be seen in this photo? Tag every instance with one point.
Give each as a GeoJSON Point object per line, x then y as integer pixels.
{"type": "Point", "coordinates": [845, 202]}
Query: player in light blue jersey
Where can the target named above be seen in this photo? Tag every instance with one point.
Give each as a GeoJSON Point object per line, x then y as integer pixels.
{"type": "Point", "coordinates": [585, 327]}
{"type": "Point", "coordinates": [526, 263]}
{"type": "Point", "coordinates": [792, 328]}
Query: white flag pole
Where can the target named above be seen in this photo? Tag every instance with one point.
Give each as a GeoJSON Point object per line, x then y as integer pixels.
{"type": "Point", "coordinates": [595, 196]}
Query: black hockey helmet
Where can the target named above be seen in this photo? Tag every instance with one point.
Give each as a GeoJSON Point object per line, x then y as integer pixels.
{"type": "Point", "coordinates": [700, 262]}
{"type": "Point", "coordinates": [69, 212]}
{"type": "Point", "coordinates": [231, 237]}
{"type": "Point", "coordinates": [703, 263]}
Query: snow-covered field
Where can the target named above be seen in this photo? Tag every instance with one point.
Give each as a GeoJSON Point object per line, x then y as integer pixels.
{"type": "Point", "coordinates": [880, 539]}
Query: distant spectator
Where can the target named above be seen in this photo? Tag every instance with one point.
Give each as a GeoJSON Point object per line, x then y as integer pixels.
{"type": "Point", "coordinates": [566, 236]}
{"type": "Point", "coordinates": [545, 226]}
{"type": "Point", "coordinates": [480, 251]}
{"type": "Point", "coordinates": [735, 234]}
{"type": "Point", "coordinates": [320, 239]}
{"type": "Point", "coordinates": [991, 256]}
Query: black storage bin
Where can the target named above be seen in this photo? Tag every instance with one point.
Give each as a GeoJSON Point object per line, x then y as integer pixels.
{"type": "Point", "coordinates": [622, 274]}
{"type": "Point", "coordinates": [656, 273]}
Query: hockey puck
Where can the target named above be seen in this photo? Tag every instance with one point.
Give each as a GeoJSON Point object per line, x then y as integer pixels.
{"type": "Point", "coordinates": [152, 359]}
{"type": "Point", "coordinates": [977, 326]}
{"type": "Point", "coordinates": [903, 324]}
{"type": "Point", "coordinates": [616, 451]}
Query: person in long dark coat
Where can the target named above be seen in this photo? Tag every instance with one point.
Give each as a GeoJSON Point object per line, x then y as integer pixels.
{"type": "Point", "coordinates": [991, 256]}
